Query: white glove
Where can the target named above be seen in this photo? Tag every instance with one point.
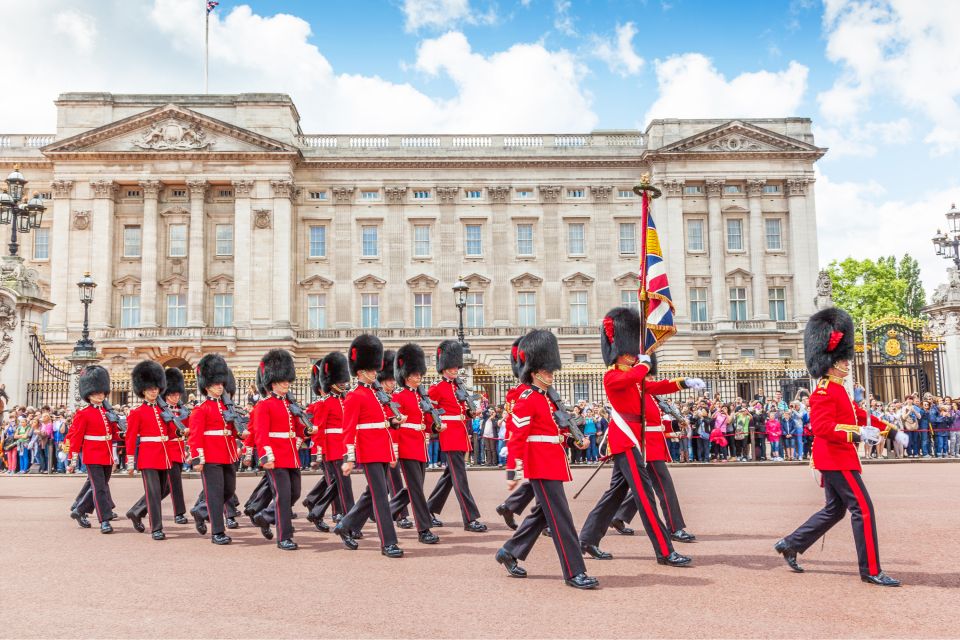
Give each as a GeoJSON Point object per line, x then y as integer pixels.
{"type": "Point", "coordinates": [644, 359]}
{"type": "Point", "coordinates": [694, 383]}
{"type": "Point", "coordinates": [870, 435]}
{"type": "Point", "coordinates": [902, 439]}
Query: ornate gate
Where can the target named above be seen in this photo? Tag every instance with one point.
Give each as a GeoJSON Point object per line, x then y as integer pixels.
{"type": "Point", "coordinates": [50, 382]}
{"type": "Point", "coordinates": [902, 359]}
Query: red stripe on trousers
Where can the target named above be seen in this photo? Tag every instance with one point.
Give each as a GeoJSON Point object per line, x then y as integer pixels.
{"type": "Point", "coordinates": [276, 504]}
{"type": "Point", "coordinates": [406, 482]}
{"type": "Point", "coordinates": [867, 522]}
{"type": "Point", "coordinates": [556, 530]}
{"type": "Point", "coordinates": [642, 495]}
{"type": "Point", "coordinates": [206, 497]}
{"type": "Point", "coordinates": [666, 501]}
{"type": "Point", "coordinates": [146, 496]}
{"type": "Point", "coordinates": [456, 487]}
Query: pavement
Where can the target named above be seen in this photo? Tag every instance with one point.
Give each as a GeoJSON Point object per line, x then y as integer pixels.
{"type": "Point", "coordinates": [65, 582]}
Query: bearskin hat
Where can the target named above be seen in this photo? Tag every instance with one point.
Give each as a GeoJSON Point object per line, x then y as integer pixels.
{"type": "Point", "coordinates": [277, 366]}
{"type": "Point", "coordinates": [175, 382]}
{"type": "Point", "coordinates": [366, 353]}
{"type": "Point", "coordinates": [147, 374]}
{"type": "Point", "coordinates": [619, 334]}
{"type": "Point", "coordinates": [653, 364]}
{"type": "Point", "coordinates": [93, 379]}
{"type": "Point", "coordinates": [386, 373]}
{"type": "Point", "coordinates": [258, 383]}
{"type": "Point", "coordinates": [827, 339]}
{"type": "Point", "coordinates": [539, 352]}
{"type": "Point", "coordinates": [449, 355]}
{"type": "Point", "coordinates": [230, 386]}
{"type": "Point", "coordinates": [315, 378]}
{"type": "Point", "coordinates": [334, 369]}
{"type": "Point", "coordinates": [410, 360]}
{"type": "Point", "coordinates": [212, 369]}
{"type": "Point", "coordinates": [515, 364]}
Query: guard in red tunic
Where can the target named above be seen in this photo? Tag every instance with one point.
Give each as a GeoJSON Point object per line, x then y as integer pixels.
{"type": "Point", "coordinates": [517, 501]}
{"type": "Point", "coordinates": [213, 445]}
{"type": "Point", "coordinates": [92, 435]}
{"type": "Point", "coordinates": [657, 454]}
{"type": "Point", "coordinates": [540, 457]}
{"type": "Point", "coordinates": [619, 345]}
{"type": "Point", "coordinates": [838, 427]}
{"type": "Point", "coordinates": [366, 433]}
{"type": "Point", "coordinates": [261, 499]}
{"type": "Point", "coordinates": [410, 365]}
{"type": "Point", "coordinates": [278, 434]}
{"type": "Point", "coordinates": [394, 475]}
{"type": "Point", "coordinates": [454, 439]}
{"type": "Point", "coordinates": [316, 453]}
{"type": "Point", "coordinates": [333, 378]}
{"type": "Point", "coordinates": [173, 395]}
{"type": "Point", "coordinates": [146, 440]}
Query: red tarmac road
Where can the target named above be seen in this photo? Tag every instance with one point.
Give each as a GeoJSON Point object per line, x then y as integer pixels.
{"type": "Point", "coordinates": [61, 581]}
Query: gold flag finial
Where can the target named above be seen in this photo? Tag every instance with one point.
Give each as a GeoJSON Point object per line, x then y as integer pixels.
{"type": "Point", "coordinates": [645, 185]}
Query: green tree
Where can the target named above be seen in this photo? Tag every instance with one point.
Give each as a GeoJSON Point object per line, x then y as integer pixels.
{"type": "Point", "coordinates": [873, 289]}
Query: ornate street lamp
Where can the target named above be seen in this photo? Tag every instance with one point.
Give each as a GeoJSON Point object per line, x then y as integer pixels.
{"type": "Point", "coordinates": [86, 286]}
{"type": "Point", "coordinates": [948, 245]}
{"type": "Point", "coordinates": [20, 217]}
{"type": "Point", "coordinates": [460, 290]}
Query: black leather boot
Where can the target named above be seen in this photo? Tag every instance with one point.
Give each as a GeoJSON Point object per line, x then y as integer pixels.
{"type": "Point", "coordinates": [510, 564]}
{"type": "Point", "coordinates": [507, 516]}
{"type": "Point", "coordinates": [789, 555]}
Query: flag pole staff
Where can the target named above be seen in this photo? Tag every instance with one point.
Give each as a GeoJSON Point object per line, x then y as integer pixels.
{"type": "Point", "coordinates": [647, 192]}
{"type": "Point", "coordinates": [206, 48]}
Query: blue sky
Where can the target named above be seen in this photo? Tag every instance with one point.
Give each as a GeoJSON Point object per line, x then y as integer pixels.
{"type": "Point", "coordinates": [878, 78]}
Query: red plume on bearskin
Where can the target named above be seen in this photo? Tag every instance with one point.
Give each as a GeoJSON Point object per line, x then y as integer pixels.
{"type": "Point", "coordinates": [449, 355]}
{"type": "Point", "coordinates": [366, 353]}
{"type": "Point", "coordinates": [515, 351]}
{"type": "Point", "coordinates": [827, 339]}
{"type": "Point", "coordinates": [540, 353]}
{"type": "Point", "coordinates": [619, 334]}
{"type": "Point", "coordinates": [386, 373]}
{"type": "Point", "coordinates": [410, 360]}
{"type": "Point", "coordinates": [334, 369]}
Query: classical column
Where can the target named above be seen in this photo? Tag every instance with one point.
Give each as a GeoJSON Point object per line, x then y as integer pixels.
{"type": "Point", "coordinates": [195, 266]}
{"type": "Point", "coordinates": [499, 298]}
{"type": "Point", "coordinates": [670, 216]}
{"type": "Point", "coordinates": [943, 323]}
{"type": "Point", "coordinates": [341, 248]}
{"type": "Point", "coordinates": [758, 250]}
{"type": "Point", "coordinates": [102, 261]}
{"type": "Point", "coordinates": [718, 276]}
{"type": "Point", "coordinates": [282, 252]}
{"type": "Point", "coordinates": [60, 271]}
{"type": "Point", "coordinates": [550, 310]}
{"type": "Point", "coordinates": [801, 265]}
{"type": "Point", "coordinates": [452, 263]}
{"type": "Point", "coordinates": [242, 254]}
{"type": "Point", "coordinates": [397, 245]}
{"type": "Point", "coordinates": [148, 254]}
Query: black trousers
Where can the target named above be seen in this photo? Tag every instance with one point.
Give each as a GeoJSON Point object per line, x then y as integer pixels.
{"type": "Point", "coordinates": [395, 485]}
{"type": "Point", "coordinates": [551, 511]}
{"type": "Point", "coordinates": [175, 488]}
{"type": "Point", "coordinates": [219, 486]}
{"type": "Point", "coordinates": [231, 508]}
{"type": "Point", "coordinates": [313, 496]}
{"type": "Point", "coordinates": [97, 498]}
{"type": "Point", "coordinates": [454, 478]}
{"type": "Point", "coordinates": [517, 501]}
{"type": "Point", "coordinates": [844, 492]}
{"type": "Point", "coordinates": [629, 474]}
{"type": "Point", "coordinates": [413, 472]}
{"type": "Point", "coordinates": [286, 491]}
{"type": "Point", "coordinates": [155, 488]}
{"type": "Point", "coordinates": [260, 498]}
{"type": "Point", "coordinates": [666, 496]}
{"type": "Point", "coordinates": [84, 490]}
{"type": "Point", "coordinates": [339, 490]}
{"type": "Point", "coordinates": [759, 447]}
{"type": "Point", "coordinates": [375, 499]}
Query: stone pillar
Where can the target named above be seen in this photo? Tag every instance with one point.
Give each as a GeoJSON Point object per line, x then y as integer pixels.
{"type": "Point", "coordinates": [718, 276]}
{"type": "Point", "coordinates": [499, 298]}
{"type": "Point", "coordinates": [242, 252]}
{"type": "Point", "coordinates": [195, 252]}
{"type": "Point", "coordinates": [102, 261]}
{"type": "Point", "coordinates": [397, 246]}
{"type": "Point", "coordinates": [944, 324]}
{"type": "Point", "coordinates": [343, 233]}
{"type": "Point", "coordinates": [669, 217]}
{"type": "Point", "coordinates": [802, 264]}
{"type": "Point", "coordinates": [282, 251]}
{"type": "Point", "coordinates": [550, 310]}
{"type": "Point", "coordinates": [148, 254]}
{"type": "Point", "coordinates": [20, 311]}
{"type": "Point", "coordinates": [451, 263]}
{"type": "Point", "coordinates": [758, 250]}
{"type": "Point", "coordinates": [60, 272]}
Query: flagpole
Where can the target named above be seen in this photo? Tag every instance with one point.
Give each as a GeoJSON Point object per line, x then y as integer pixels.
{"type": "Point", "coordinates": [206, 48]}
{"type": "Point", "coordinates": [645, 190]}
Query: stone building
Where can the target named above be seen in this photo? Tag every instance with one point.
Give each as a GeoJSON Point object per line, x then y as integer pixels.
{"type": "Point", "coordinates": [213, 223]}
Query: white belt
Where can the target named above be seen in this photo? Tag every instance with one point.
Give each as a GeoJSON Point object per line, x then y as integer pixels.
{"type": "Point", "coordinates": [412, 425]}
{"type": "Point", "coordinates": [98, 438]}
{"type": "Point", "coordinates": [153, 438]}
{"type": "Point", "coordinates": [218, 432]}
{"type": "Point", "coordinates": [372, 425]}
{"type": "Point", "coordinates": [281, 434]}
{"type": "Point", "coordinates": [452, 418]}
{"type": "Point", "coordinates": [549, 439]}
{"type": "Point", "coordinates": [653, 428]}
{"type": "Point", "coordinates": [333, 431]}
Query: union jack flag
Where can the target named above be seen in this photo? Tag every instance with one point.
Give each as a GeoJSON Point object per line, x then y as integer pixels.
{"type": "Point", "coordinates": [654, 287]}
{"type": "Point", "coordinates": [211, 5]}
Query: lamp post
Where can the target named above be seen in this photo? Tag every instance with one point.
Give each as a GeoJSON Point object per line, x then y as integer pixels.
{"type": "Point", "coordinates": [948, 245]}
{"type": "Point", "coordinates": [84, 352]}
{"type": "Point", "coordinates": [20, 216]}
{"type": "Point", "coordinates": [460, 290]}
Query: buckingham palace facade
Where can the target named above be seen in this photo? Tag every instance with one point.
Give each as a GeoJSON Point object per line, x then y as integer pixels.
{"type": "Point", "coordinates": [213, 223]}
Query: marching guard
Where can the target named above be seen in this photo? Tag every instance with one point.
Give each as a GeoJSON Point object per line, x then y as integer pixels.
{"type": "Point", "coordinates": [92, 435]}
{"type": "Point", "coordinates": [454, 439]}
{"type": "Point", "coordinates": [394, 474]}
{"type": "Point", "coordinates": [173, 395]}
{"type": "Point", "coordinates": [517, 501]}
{"type": "Point", "coordinates": [619, 345]}
{"type": "Point", "coordinates": [367, 436]}
{"type": "Point", "coordinates": [538, 448]}
{"type": "Point", "coordinates": [838, 426]}
{"type": "Point", "coordinates": [316, 453]}
{"type": "Point", "coordinates": [410, 366]}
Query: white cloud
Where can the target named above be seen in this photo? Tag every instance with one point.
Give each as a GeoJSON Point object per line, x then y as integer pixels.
{"type": "Point", "coordinates": [562, 20]}
{"type": "Point", "coordinates": [691, 87]}
{"type": "Point", "coordinates": [863, 140]}
{"type": "Point", "coordinates": [865, 220]}
{"type": "Point", "coordinates": [78, 27]}
{"type": "Point", "coordinates": [156, 46]}
{"type": "Point", "coordinates": [898, 50]}
{"type": "Point", "coordinates": [443, 14]}
{"type": "Point", "coordinates": [618, 52]}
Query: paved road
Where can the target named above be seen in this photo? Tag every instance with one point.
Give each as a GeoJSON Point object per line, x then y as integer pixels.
{"type": "Point", "coordinates": [127, 585]}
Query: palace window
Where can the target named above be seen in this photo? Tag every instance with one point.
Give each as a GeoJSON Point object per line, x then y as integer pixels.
{"type": "Point", "coordinates": [771, 188]}
{"type": "Point", "coordinates": [421, 241]}
{"type": "Point", "coordinates": [575, 238]}
{"type": "Point", "coordinates": [317, 311]}
{"type": "Point", "coordinates": [630, 298]}
{"type": "Point", "coordinates": [473, 242]}
{"type": "Point", "coordinates": [474, 310]}
{"type": "Point", "coordinates": [578, 308]}
{"type": "Point", "coordinates": [698, 304]}
{"type": "Point", "coordinates": [370, 244]}
{"type": "Point", "coordinates": [178, 193]}
{"type": "Point", "coordinates": [738, 303]}
{"type": "Point", "coordinates": [473, 194]}
{"type": "Point", "coordinates": [576, 194]}
{"type": "Point", "coordinates": [525, 239]}
{"type": "Point", "coordinates": [369, 195]}
{"type": "Point", "coordinates": [625, 193]}
{"type": "Point", "coordinates": [129, 311]}
{"type": "Point", "coordinates": [223, 310]}
{"type": "Point", "coordinates": [778, 303]}
{"type": "Point", "coordinates": [317, 195]}
{"type": "Point", "coordinates": [131, 241]}
{"type": "Point", "coordinates": [628, 238]}
{"type": "Point", "coordinates": [177, 310]}
{"type": "Point", "coordinates": [318, 241]}
{"type": "Point", "coordinates": [735, 234]}
{"type": "Point", "coordinates": [224, 239]}
{"type": "Point", "coordinates": [774, 239]}
{"type": "Point", "coordinates": [369, 310]}
{"type": "Point", "coordinates": [422, 310]}
{"type": "Point", "coordinates": [731, 189]}
{"type": "Point", "coordinates": [527, 309]}
{"type": "Point", "coordinates": [421, 195]}
{"type": "Point", "coordinates": [692, 189]}
{"type": "Point", "coordinates": [695, 235]}
{"type": "Point", "coordinates": [524, 194]}
{"type": "Point", "coordinates": [178, 240]}
{"type": "Point", "coordinates": [41, 244]}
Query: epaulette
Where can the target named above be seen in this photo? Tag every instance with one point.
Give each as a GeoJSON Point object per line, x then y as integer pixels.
{"type": "Point", "coordinates": [822, 383]}
{"type": "Point", "coordinates": [526, 394]}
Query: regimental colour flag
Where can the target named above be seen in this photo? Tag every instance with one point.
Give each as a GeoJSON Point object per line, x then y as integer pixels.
{"type": "Point", "coordinates": [211, 5]}
{"type": "Point", "coordinates": [654, 287]}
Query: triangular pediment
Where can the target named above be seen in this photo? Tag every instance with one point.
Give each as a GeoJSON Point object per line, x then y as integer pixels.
{"type": "Point", "coordinates": [526, 280]}
{"type": "Point", "coordinates": [734, 208]}
{"type": "Point", "coordinates": [170, 129]}
{"type": "Point", "coordinates": [737, 136]}
{"type": "Point", "coordinates": [627, 278]}
{"type": "Point", "coordinates": [176, 278]}
{"type": "Point", "coordinates": [739, 273]}
{"type": "Point", "coordinates": [125, 281]}
{"type": "Point", "coordinates": [370, 281]}
{"type": "Point", "coordinates": [475, 280]}
{"type": "Point", "coordinates": [316, 282]}
{"type": "Point", "coordinates": [422, 281]}
{"type": "Point", "coordinates": [578, 279]}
